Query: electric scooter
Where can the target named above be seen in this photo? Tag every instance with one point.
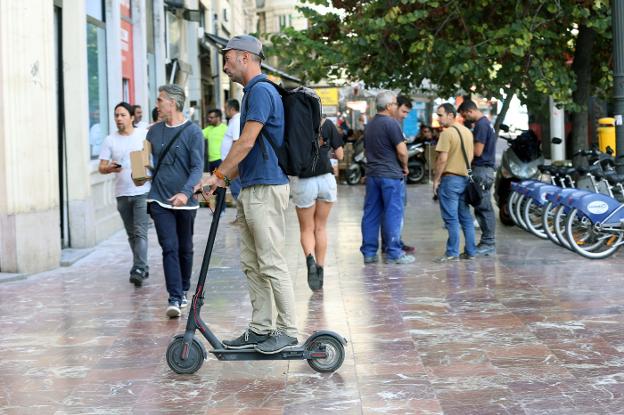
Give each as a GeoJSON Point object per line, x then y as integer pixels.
{"type": "Point", "coordinates": [324, 350]}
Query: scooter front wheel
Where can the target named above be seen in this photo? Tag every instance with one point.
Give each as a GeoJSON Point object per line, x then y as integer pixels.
{"type": "Point", "coordinates": [189, 365]}
{"type": "Point", "coordinates": [334, 350]}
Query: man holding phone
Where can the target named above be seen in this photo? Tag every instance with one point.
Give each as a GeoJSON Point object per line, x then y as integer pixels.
{"type": "Point", "coordinates": [131, 199]}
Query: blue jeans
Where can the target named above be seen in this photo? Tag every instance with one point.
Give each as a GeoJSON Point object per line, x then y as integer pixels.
{"type": "Point", "coordinates": [174, 228]}
{"type": "Point", "coordinates": [484, 213]}
{"type": "Point", "coordinates": [455, 212]}
{"type": "Point", "coordinates": [404, 198]}
{"type": "Point", "coordinates": [383, 204]}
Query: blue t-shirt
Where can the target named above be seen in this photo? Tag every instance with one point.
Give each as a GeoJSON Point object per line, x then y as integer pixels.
{"type": "Point", "coordinates": [484, 133]}
{"type": "Point", "coordinates": [381, 136]}
{"type": "Point", "coordinates": [262, 103]}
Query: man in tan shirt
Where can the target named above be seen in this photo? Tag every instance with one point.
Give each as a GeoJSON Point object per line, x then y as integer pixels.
{"type": "Point", "coordinates": [449, 184]}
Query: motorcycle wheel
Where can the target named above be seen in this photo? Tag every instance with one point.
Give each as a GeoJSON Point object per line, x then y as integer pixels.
{"type": "Point", "coordinates": [533, 219]}
{"type": "Point", "coordinates": [353, 175]}
{"type": "Point", "coordinates": [587, 241]}
{"type": "Point", "coordinates": [416, 172]}
{"type": "Point", "coordinates": [504, 215]}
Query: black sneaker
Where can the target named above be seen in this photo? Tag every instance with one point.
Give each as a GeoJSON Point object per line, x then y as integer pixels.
{"type": "Point", "coordinates": [136, 278]}
{"type": "Point", "coordinates": [173, 310]}
{"type": "Point", "coordinates": [313, 279]}
{"type": "Point", "coordinates": [277, 342]}
{"type": "Point", "coordinates": [247, 340]}
{"type": "Point", "coordinates": [319, 272]}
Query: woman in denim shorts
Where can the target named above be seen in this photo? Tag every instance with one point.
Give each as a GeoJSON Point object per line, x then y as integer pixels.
{"type": "Point", "coordinates": [313, 197]}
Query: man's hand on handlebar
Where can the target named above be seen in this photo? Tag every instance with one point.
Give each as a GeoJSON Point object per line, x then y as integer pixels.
{"type": "Point", "coordinates": [208, 185]}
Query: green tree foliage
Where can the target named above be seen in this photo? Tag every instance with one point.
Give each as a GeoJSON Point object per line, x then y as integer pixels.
{"type": "Point", "coordinates": [483, 46]}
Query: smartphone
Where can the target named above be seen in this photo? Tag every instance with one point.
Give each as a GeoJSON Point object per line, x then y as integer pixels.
{"type": "Point", "coordinates": [116, 165]}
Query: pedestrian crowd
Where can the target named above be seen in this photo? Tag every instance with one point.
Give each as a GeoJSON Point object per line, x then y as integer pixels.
{"type": "Point", "coordinates": [240, 154]}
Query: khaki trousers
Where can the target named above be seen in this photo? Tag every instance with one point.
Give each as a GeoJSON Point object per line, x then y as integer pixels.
{"type": "Point", "coordinates": [261, 216]}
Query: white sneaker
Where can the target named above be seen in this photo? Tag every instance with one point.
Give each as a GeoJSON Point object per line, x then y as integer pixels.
{"type": "Point", "coordinates": [184, 301]}
{"type": "Point", "coordinates": [173, 310]}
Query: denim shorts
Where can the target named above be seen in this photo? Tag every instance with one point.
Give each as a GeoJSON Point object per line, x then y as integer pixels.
{"type": "Point", "coordinates": [306, 191]}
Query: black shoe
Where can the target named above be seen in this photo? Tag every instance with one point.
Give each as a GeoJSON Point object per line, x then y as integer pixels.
{"type": "Point", "coordinates": [247, 340]}
{"type": "Point", "coordinates": [313, 279]}
{"type": "Point", "coordinates": [137, 275]}
{"type": "Point", "coordinates": [277, 342]}
{"type": "Point", "coordinates": [319, 273]}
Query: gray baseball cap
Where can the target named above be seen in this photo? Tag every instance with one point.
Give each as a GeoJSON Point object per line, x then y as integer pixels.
{"type": "Point", "coordinates": [246, 43]}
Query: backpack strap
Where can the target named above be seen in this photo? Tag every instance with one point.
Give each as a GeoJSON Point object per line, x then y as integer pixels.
{"type": "Point", "coordinates": [166, 150]}
{"type": "Point", "coordinates": [281, 91]}
{"type": "Point", "coordinates": [461, 141]}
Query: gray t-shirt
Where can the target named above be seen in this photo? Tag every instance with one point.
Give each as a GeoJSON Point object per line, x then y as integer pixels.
{"type": "Point", "coordinates": [381, 137]}
{"type": "Point", "coordinates": [183, 165]}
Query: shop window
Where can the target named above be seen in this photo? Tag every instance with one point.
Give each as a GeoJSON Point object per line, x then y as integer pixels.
{"type": "Point", "coordinates": [97, 79]}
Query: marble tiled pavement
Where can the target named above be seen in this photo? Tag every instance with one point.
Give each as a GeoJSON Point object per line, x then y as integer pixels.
{"type": "Point", "coordinates": [534, 330]}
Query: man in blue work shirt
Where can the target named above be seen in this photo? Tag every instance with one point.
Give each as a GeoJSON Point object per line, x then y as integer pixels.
{"type": "Point", "coordinates": [262, 202]}
{"type": "Point", "coordinates": [483, 172]}
{"type": "Point", "coordinates": [386, 167]}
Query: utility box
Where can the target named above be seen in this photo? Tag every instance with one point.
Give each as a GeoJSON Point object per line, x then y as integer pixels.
{"type": "Point", "coordinates": [140, 162]}
{"type": "Point", "coordinates": [606, 134]}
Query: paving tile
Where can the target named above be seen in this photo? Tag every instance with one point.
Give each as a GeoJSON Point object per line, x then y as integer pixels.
{"type": "Point", "coordinates": [534, 330]}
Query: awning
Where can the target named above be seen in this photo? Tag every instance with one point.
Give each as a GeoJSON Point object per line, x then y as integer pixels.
{"type": "Point", "coordinates": [220, 43]}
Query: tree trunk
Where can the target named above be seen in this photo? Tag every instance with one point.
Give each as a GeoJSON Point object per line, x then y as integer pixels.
{"type": "Point", "coordinates": [509, 93]}
{"type": "Point", "coordinates": [582, 69]}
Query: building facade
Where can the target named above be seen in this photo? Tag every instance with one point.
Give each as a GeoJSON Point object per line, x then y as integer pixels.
{"type": "Point", "coordinates": [59, 82]}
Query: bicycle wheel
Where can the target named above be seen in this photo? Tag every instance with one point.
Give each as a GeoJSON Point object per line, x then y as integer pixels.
{"type": "Point", "coordinates": [548, 222]}
{"type": "Point", "coordinates": [559, 225]}
{"type": "Point", "coordinates": [533, 218]}
{"type": "Point", "coordinates": [519, 206]}
{"type": "Point", "coordinates": [586, 240]}
{"type": "Point", "coordinates": [511, 206]}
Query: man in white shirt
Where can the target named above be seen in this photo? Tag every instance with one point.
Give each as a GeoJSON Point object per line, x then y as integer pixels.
{"type": "Point", "coordinates": [232, 111]}
{"type": "Point", "coordinates": [131, 199]}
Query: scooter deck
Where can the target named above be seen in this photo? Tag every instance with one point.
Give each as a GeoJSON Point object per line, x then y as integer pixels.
{"type": "Point", "coordinates": [291, 353]}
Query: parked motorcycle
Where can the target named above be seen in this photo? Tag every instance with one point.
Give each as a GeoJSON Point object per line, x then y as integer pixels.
{"type": "Point", "coordinates": [520, 161]}
{"type": "Point", "coordinates": [355, 171]}
{"type": "Point", "coordinates": [416, 163]}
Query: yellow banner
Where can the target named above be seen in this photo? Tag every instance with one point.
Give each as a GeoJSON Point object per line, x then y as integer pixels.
{"type": "Point", "coordinates": [329, 96]}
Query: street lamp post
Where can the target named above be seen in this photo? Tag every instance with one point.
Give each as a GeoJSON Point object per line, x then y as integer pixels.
{"type": "Point", "coordinates": [618, 75]}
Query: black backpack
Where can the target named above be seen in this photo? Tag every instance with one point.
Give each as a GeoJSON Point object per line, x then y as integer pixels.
{"type": "Point", "coordinates": [299, 154]}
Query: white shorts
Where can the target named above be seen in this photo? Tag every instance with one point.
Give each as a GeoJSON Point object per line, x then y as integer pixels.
{"type": "Point", "coordinates": [305, 192]}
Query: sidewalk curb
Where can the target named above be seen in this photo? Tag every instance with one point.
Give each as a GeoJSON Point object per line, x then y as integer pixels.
{"type": "Point", "coordinates": [9, 277]}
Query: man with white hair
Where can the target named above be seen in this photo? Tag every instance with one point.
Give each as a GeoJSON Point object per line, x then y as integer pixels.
{"type": "Point", "coordinates": [386, 167]}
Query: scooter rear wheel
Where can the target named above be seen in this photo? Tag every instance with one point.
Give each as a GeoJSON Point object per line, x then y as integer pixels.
{"type": "Point", "coordinates": [335, 354]}
{"type": "Point", "coordinates": [192, 363]}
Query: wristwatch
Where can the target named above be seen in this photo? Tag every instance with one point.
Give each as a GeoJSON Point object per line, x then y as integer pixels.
{"type": "Point", "coordinates": [222, 176]}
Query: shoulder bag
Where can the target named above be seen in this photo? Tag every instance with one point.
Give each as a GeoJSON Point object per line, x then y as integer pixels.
{"type": "Point", "coordinates": [474, 191]}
